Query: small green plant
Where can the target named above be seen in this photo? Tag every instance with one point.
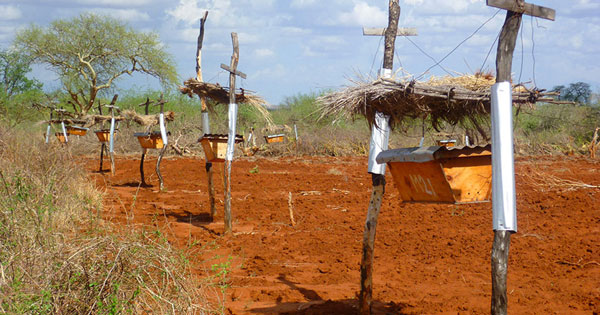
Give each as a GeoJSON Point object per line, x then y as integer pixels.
{"type": "Point", "coordinates": [254, 170]}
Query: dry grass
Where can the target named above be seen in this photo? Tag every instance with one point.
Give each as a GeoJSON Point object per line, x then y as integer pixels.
{"type": "Point", "coordinates": [58, 257]}
{"type": "Point", "coordinates": [461, 100]}
{"type": "Point", "coordinates": [220, 95]}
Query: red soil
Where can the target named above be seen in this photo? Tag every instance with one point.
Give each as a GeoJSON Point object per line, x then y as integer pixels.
{"type": "Point", "coordinates": [429, 258]}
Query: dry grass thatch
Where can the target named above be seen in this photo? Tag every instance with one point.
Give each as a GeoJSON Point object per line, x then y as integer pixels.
{"type": "Point", "coordinates": [126, 115]}
{"type": "Point", "coordinates": [455, 100]}
{"type": "Point", "coordinates": [220, 95]}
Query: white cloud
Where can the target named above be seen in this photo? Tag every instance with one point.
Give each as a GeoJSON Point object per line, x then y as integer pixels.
{"type": "Point", "coordinates": [363, 15]}
{"type": "Point", "coordinates": [119, 3]}
{"type": "Point", "coordinates": [264, 52]}
{"type": "Point", "coordinates": [273, 72]}
{"type": "Point", "coordinates": [444, 6]}
{"type": "Point", "coordinates": [302, 3]}
{"type": "Point", "coordinates": [123, 14]}
{"type": "Point", "coordinates": [9, 12]}
{"type": "Point", "coordinates": [294, 31]}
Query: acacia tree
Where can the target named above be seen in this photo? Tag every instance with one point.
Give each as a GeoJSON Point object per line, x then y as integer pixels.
{"type": "Point", "coordinates": [90, 52]}
{"type": "Point", "coordinates": [579, 92]}
{"type": "Point", "coordinates": [14, 67]}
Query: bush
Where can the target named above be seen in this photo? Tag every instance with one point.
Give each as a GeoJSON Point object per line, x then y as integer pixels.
{"type": "Point", "coordinates": [58, 256]}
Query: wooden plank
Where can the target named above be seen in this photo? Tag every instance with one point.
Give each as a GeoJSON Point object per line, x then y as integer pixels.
{"type": "Point", "coordinates": [403, 31]}
{"type": "Point", "coordinates": [523, 7]}
{"type": "Point", "coordinates": [470, 178]}
{"type": "Point", "coordinates": [235, 72]}
{"type": "Point", "coordinates": [423, 182]}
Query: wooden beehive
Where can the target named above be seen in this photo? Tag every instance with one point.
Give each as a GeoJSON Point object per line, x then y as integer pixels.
{"type": "Point", "coordinates": [75, 130]}
{"type": "Point", "coordinates": [274, 138]}
{"type": "Point", "coordinates": [150, 140]}
{"type": "Point", "coordinates": [441, 174]}
{"type": "Point", "coordinates": [104, 135]}
{"type": "Point", "coordinates": [215, 146]}
{"type": "Point", "coordinates": [61, 137]}
{"type": "Point", "coordinates": [446, 143]}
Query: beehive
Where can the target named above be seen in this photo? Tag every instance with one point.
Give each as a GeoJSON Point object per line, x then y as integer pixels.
{"type": "Point", "coordinates": [75, 130]}
{"type": "Point", "coordinates": [215, 146]}
{"type": "Point", "coordinates": [150, 140]}
{"type": "Point", "coordinates": [274, 138]}
{"type": "Point", "coordinates": [104, 135]}
{"type": "Point", "coordinates": [441, 174]}
{"type": "Point", "coordinates": [61, 137]}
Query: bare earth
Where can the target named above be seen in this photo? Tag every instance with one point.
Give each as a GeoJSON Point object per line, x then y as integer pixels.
{"type": "Point", "coordinates": [429, 258]}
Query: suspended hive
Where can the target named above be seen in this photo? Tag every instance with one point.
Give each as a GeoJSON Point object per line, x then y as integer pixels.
{"type": "Point", "coordinates": [150, 140]}
{"type": "Point", "coordinates": [441, 174]}
{"type": "Point", "coordinates": [215, 146]}
{"type": "Point", "coordinates": [104, 135]}
{"type": "Point", "coordinates": [75, 130]}
{"type": "Point", "coordinates": [61, 137]}
{"type": "Point", "coordinates": [274, 138]}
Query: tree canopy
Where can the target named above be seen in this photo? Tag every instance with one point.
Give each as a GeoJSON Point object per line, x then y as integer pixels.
{"type": "Point", "coordinates": [579, 92]}
{"type": "Point", "coordinates": [90, 52]}
{"type": "Point", "coordinates": [14, 67]}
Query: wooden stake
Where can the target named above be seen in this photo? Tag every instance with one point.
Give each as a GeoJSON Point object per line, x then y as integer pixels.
{"type": "Point", "coordinates": [291, 209]}
{"type": "Point", "coordinates": [205, 121]}
{"type": "Point", "coordinates": [504, 56]}
{"type": "Point", "coordinates": [365, 297]}
{"type": "Point", "coordinates": [232, 121]}
{"type": "Point", "coordinates": [366, 267]}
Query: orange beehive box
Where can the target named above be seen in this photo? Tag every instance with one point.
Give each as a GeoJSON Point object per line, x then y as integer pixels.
{"type": "Point", "coordinates": [274, 138]}
{"type": "Point", "coordinates": [215, 146]}
{"type": "Point", "coordinates": [104, 135]}
{"type": "Point", "coordinates": [149, 140]}
{"type": "Point", "coordinates": [78, 131]}
{"type": "Point", "coordinates": [446, 143]}
{"type": "Point", "coordinates": [61, 137]}
{"type": "Point", "coordinates": [441, 174]}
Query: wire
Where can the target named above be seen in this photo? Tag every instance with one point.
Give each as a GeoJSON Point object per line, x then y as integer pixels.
{"type": "Point", "coordinates": [398, 57]}
{"type": "Point", "coordinates": [375, 57]}
{"type": "Point", "coordinates": [522, 55]}
{"type": "Point", "coordinates": [487, 56]}
{"type": "Point", "coordinates": [533, 51]}
{"type": "Point", "coordinates": [424, 53]}
{"type": "Point", "coordinates": [459, 44]}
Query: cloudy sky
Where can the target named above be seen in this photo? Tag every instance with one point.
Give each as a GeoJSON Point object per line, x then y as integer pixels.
{"type": "Point", "coordinates": [305, 46]}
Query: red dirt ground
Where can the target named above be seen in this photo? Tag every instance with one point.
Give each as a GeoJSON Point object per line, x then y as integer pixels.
{"type": "Point", "coordinates": [429, 258]}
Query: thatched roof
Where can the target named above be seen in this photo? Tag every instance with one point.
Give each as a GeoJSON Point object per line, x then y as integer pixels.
{"type": "Point", "coordinates": [455, 100]}
{"type": "Point", "coordinates": [220, 95]}
{"type": "Point", "coordinates": [127, 116]}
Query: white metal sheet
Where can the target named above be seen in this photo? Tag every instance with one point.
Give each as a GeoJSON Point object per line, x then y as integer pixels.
{"type": "Point", "coordinates": [504, 209]}
{"type": "Point", "coordinates": [232, 117]}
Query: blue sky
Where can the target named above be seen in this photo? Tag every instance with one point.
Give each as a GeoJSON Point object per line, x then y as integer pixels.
{"type": "Point", "coordinates": [305, 46]}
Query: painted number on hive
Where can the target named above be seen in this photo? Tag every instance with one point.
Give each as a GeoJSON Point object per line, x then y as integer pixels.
{"type": "Point", "coordinates": [422, 185]}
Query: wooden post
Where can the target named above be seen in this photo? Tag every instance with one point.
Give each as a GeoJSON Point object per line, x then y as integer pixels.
{"type": "Point", "coordinates": [365, 297]}
{"type": "Point", "coordinates": [144, 150]}
{"type": "Point", "coordinates": [205, 118]}
{"type": "Point", "coordinates": [163, 133]}
{"type": "Point", "coordinates": [504, 56]}
{"type": "Point", "coordinates": [232, 126]}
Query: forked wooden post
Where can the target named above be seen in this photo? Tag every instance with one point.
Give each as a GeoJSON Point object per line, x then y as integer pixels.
{"type": "Point", "coordinates": [379, 138]}
{"type": "Point", "coordinates": [503, 187]}
{"type": "Point", "coordinates": [205, 119]}
{"type": "Point", "coordinates": [232, 118]}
